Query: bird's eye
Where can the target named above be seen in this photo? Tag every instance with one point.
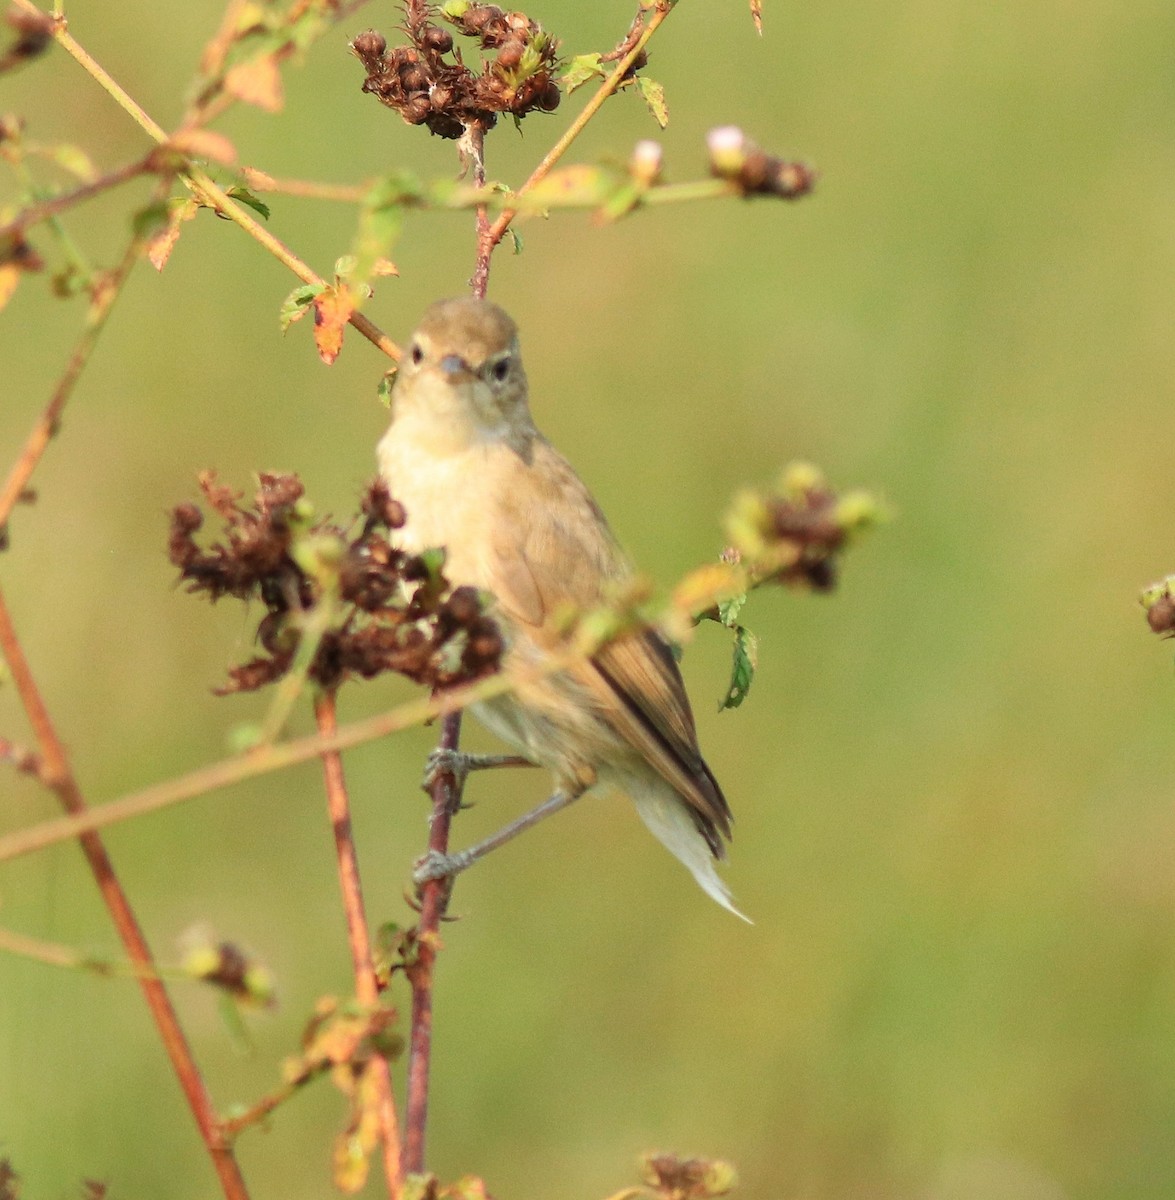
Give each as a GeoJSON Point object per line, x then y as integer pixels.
{"type": "Point", "coordinates": [500, 369]}
{"type": "Point", "coordinates": [417, 354]}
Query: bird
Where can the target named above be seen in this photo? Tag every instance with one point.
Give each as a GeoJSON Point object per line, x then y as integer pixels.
{"type": "Point", "coordinates": [474, 475]}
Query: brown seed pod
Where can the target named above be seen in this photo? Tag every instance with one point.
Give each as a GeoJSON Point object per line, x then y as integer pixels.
{"type": "Point", "coordinates": [550, 96]}
{"type": "Point", "coordinates": [433, 37]}
{"type": "Point", "coordinates": [413, 78]}
{"type": "Point", "coordinates": [417, 110]}
{"type": "Point", "coordinates": [369, 47]}
{"type": "Point", "coordinates": [510, 55]}
{"type": "Point", "coordinates": [440, 97]}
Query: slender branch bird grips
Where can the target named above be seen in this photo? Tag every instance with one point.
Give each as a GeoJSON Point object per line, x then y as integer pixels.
{"type": "Point", "coordinates": [474, 475]}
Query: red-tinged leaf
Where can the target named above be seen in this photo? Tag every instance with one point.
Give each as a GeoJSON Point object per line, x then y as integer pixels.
{"type": "Point", "coordinates": [162, 243]}
{"type": "Point", "coordinates": [757, 15]}
{"type": "Point", "coordinates": [333, 307]}
{"type": "Point", "coordinates": [257, 180]}
{"type": "Point", "coordinates": [257, 82]}
{"type": "Point", "coordinates": [205, 143]}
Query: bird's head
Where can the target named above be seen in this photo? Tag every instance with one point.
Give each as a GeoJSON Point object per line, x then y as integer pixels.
{"type": "Point", "coordinates": [463, 368]}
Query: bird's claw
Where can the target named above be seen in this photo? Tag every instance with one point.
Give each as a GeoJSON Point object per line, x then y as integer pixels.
{"type": "Point", "coordinates": [447, 762]}
{"type": "Point", "coordinates": [434, 865]}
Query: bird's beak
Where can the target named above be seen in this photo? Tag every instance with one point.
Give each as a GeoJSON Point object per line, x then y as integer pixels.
{"type": "Point", "coordinates": [453, 367]}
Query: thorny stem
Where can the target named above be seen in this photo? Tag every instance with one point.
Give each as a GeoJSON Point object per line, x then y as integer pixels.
{"type": "Point", "coordinates": [366, 985]}
{"type": "Point", "coordinates": [106, 292]}
{"type": "Point", "coordinates": [59, 776]}
{"type": "Point", "coordinates": [434, 895]}
{"type": "Point", "coordinates": [498, 229]}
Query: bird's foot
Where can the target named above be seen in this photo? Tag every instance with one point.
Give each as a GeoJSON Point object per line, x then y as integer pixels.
{"type": "Point", "coordinates": [459, 764]}
{"type": "Point", "coordinates": [435, 865]}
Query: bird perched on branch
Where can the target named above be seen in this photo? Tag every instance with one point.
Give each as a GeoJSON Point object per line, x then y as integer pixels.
{"type": "Point", "coordinates": [474, 475]}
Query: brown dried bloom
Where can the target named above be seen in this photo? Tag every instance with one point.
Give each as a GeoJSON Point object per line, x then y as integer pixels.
{"type": "Point", "coordinates": [393, 611]}
{"type": "Point", "coordinates": [428, 83]}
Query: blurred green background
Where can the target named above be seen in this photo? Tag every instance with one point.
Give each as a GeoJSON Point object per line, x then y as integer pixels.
{"type": "Point", "coordinates": [953, 780]}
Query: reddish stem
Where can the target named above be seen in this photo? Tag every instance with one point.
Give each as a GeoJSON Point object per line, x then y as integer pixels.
{"type": "Point", "coordinates": [434, 899]}
{"type": "Point", "coordinates": [59, 777]}
{"type": "Point", "coordinates": [366, 985]}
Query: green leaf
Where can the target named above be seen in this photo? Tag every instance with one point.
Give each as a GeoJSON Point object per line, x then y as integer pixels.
{"type": "Point", "coordinates": [654, 95]}
{"type": "Point", "coordinates": [515, 240]}
{"type": "Point", "coordinates": [247, 198]}
{"type": "Point", "coordinates": [728, 610]}
{"type": "Point", "coordinates": [384, 391]}
{"type": "Point", "coordinates": [742, 671]}
{"type": "Point", "coordinates": [294, 306]}
{"type": "Point", "coordinates": [579, 70]}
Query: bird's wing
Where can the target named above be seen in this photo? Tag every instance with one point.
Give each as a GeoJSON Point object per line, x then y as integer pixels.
{"type": "Point", "coordinates": [552, 548]}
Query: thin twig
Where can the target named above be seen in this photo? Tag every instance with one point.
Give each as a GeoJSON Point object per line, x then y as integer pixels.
{"type": "Point", "coordinates": [446, 795]}
{"type": "Point", "coordinates": [358, 935]}
{"type": "Point", "coordinates": [498, 229]}
{"type": "Point", "coordinates": [54, 205]}
{"type": "Point", "coordinates": [105, 294]}
{"type": "Point", "coordinates": [256, 762]}
{"type": "Point", "coordinates": [202, 185]}
{"type": "Point", "coordinates": [485, 248]}
{"type": "Point", "coordinates": [59, 776]}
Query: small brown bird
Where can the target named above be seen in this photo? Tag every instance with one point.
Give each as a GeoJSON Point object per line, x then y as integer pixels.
{"type": "Point", "coordinates": [475, 476]}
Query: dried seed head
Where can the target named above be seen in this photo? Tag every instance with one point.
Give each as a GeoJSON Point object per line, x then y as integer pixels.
{"type": "Point", "coordinates": [369, 48]}
{"type": "Point", "coordinates": [510, 55]}
{"type": "Point", "coordinates": [433, 37]}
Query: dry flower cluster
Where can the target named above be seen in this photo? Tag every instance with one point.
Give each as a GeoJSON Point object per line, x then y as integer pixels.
{"type": "Point", "coordinates": [393, 611]}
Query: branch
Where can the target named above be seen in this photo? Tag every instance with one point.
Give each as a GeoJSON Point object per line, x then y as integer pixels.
{"type": "Point", "coordinates": [105, 294]}
{"type": "Point", "coordinates": [54, 205]}
{"type": "Point", "coordinates": [446, 796]}
{"type": "Point", "coordinates": [498, 229]}
{"type": "Point", "coordinates": [366, 985]}
{"type": "Point", "coordinates": [201, 184]}
{"type": "Point", "coordinates": [60, 778]}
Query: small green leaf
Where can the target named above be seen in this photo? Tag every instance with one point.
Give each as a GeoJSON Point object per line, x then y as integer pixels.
{"type": "Point", "coordinates": [654, 96]}
{"type": "Point", "coordinates": [728, 610]}
{"type": "Point", "coordinates": [384, 391]}
{"type": "Point", "coordinates": [579, 70]}
{"type": "Point", "coordinates": [247, 198]}
{"type": "Point", "coordinates": [516, 240]}
{"type": "Point", "coordinates": [742, 671]}
{"type": "Point", "coordinates": [294, 306]}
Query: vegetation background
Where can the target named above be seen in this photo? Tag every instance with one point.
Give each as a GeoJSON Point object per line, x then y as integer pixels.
{"type": "Point", "coordinates": [953, 780]}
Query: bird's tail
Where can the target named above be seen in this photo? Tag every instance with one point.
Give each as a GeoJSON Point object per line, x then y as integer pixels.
{"type": "Point", "coordinates": [669, 821]}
